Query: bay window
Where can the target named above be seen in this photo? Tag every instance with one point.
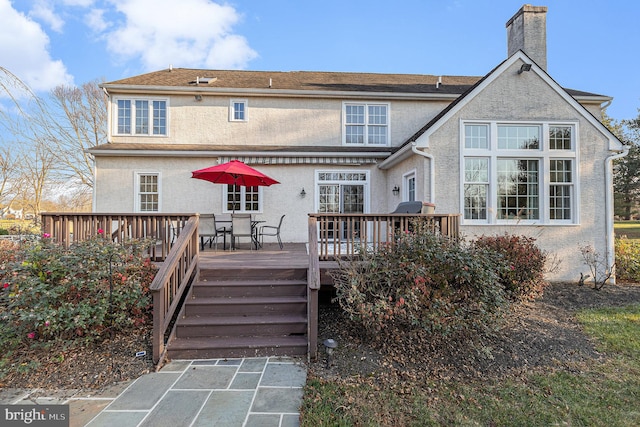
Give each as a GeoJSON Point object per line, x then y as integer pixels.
{"type": "Point", "coordinates": [523, 173]}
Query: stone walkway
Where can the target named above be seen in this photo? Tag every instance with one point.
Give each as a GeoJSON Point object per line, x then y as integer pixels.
{"type": "Point", "coordinates": [221, 392]}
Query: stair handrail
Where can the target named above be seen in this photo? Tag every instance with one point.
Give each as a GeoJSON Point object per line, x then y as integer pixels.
{"type": "Point", "coordinates": [172, 280]}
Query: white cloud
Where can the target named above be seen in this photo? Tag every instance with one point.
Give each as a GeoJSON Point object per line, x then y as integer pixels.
{"type": "Point", "coordinates": [43, 11]}
{"type": "Point", "coordinates": [189, 33]}
{"type": "Point", "coordinates": [94, 19]}
{"type": "Point", "coordinates": [81, 3]}
{"type": "Point", "coordinates": [24, 51]}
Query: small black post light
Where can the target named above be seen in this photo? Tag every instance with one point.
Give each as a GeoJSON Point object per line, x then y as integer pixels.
{"type": "Point", "coordinates": [329, 345]}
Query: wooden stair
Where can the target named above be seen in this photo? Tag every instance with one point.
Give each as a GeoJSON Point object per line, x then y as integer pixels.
{"type": "Point", "coordinates": [243, 312]}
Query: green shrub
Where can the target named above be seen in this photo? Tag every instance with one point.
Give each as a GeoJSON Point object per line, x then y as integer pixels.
{"type": "Point", "coordinates": [422, 281]}
{"type": "Point", "coordinates": [627, 259]}
{"type": "Point", "coordinates": [50, 292]}
{"type": "Point", "coordinates": [4, 232]}
{"type": "Point", "coordinates": [523, 275]}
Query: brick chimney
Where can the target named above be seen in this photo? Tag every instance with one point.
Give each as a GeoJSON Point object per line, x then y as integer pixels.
{"type": "Point", "coordinates": [527, 31]}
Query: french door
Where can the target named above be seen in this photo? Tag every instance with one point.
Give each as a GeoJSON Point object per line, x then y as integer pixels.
{"type": "Point", "coordinates": [342, 193]}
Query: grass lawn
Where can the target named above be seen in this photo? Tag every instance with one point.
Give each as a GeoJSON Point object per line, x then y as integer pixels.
{"type": "Point", "coordinates": [631, 229]}
{"type": "Point", "coordinates": [598, 393]}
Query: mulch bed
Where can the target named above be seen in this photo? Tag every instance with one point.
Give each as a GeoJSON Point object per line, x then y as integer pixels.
{"type": "Point", "coordinates": [541, 334]}
{"type": "Point", "coordinates": [81, 366]}
{"type": "Point", "coordinates": [536, 335]}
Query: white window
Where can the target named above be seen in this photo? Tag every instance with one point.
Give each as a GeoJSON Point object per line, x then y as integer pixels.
{"type": "Point", "coordinates": [148, 192]}
{"type": "Point", "coordinates": [519, 172]}
{"type": "Point", "coordinates": [409, 187]}
{"type": "Point", "coordinates": [476, 136]}
{"type": "Point", "coordinates": [366, 124]}
{"type": "Point", "coordinates": [141, 117]}
{"type": "Point", "coordinates": [243, 199]}
{"type": "Point", "coordinates": [238, 110]}
{"type": "Point", "coordinates": [476, 187]}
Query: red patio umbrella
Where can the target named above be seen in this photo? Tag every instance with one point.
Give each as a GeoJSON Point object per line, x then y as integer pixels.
{"type": "Point", "coordinates": [234, 172]}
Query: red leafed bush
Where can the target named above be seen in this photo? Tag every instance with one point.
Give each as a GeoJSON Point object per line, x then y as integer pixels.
{"type": "Point", "coordinates": [524, 262]}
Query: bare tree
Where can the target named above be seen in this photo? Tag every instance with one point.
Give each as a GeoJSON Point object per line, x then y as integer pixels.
{"type": "Point", "coordinates": [9, 168]}
{"type": "Point", "coordinates": [35, 180]}
{"type": "Point", "coordinates": [77, 122]}
{"type": "Point", "coordinates": [53, 135]}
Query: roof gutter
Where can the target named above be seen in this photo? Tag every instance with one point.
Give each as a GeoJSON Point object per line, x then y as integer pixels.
{"type": "Point", "coordinates": [218, 153]}
{"type": "Point", "coordinates": [269, 92]}
{"type": "Point", "coordinates": [608, 173]}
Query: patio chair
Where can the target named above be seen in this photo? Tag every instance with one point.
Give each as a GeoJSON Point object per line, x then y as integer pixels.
{"type": "Point", "coordinates": [209, 231]}
{"type": "Point", "coordinates": [271, 230]}
{"type": "Point", "coordinates": [241, 227]}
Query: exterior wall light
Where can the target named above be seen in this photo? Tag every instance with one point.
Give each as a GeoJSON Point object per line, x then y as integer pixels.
{"type": "Point", "coordinates": [396, 190]}
{"type": "Point", "coordinates": [303, 193]}
{"type": "Point", "coordinates": [524, 67]}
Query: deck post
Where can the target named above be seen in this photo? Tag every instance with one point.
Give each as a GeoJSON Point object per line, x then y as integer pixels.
{"type": "Point", "coordinates": [158, 317]}
{"type": "Point", "coordinates": [313, 285]}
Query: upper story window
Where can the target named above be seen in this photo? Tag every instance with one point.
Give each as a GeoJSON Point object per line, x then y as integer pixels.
{"type": "Point", "coordinates": [238, 110]}
{"type": "Point", "coordinates": [518, 137]}
{"type": "Point", "coordinates": [524, 173]}
{"type": "Point", "coordinates": [366, 124]}
{"type": "Point", "coordinates": [141, 117]}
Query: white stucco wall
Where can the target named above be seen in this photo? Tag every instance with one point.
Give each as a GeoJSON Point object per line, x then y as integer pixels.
{"type": "Point", "coordinates": [179, 193]}
{"type": "Point", "coordinates": [294, 122]}
{"type": "Point", "coordinates": [526, 97]}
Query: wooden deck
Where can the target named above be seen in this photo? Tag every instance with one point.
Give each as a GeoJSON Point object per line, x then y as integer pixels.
{"type": "Point", "coordinates": [293, 255]}
{"type": "Point", "coordinates": [249, 303]}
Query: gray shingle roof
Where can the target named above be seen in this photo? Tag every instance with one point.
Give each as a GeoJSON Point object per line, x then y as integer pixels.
{"type": "Point", "coordinates": [300, 81]}
{"type": "Point", "coordinates": [183, 78]}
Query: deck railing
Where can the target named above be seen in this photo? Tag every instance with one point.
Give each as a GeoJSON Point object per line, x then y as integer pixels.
{"type": "Point", "coordinates": [176, 238]}
{"type": "Point", "coordinates": [172, 282]}
{"type": "Point", "coordinates": [335, 236]}
{"type": "Point", "coordinates": [68, 228]}
{"type": "Point", "coordinates": [344, 235]}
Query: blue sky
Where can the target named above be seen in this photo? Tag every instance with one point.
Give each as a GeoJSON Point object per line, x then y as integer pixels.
{"type": "Point", "coordinates": [592, 45]}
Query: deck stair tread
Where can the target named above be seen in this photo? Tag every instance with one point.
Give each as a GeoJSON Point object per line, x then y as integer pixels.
{"type": "Point", "coordinates": [248, 282]}
{"type": "Point", "coordinates": [238, 342]}
{"type": "Point", "coordinates": [235, 312]}
{"type": "Point", "coordinates": [245, 300]}
{"type": "Point", "coordinates": [243, 320]}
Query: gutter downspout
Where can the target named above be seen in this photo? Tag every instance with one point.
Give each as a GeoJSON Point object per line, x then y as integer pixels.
{"type": "Point", "coordinates": [432, 183]}
{"type": "Point", "coordinates": [608, 173]}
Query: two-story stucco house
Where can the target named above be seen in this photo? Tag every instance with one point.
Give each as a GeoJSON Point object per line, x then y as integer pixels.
{"type": "Point", "coordinates": [511, 151]}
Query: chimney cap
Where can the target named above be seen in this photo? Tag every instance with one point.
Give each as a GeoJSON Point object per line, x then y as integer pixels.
{"type": "Point", "coordinates": [527, 8]}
